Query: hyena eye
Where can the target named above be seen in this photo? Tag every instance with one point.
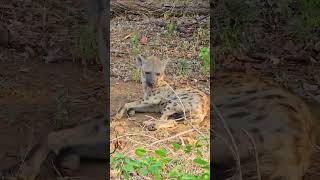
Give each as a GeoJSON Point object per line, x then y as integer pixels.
{"type": "Point", "coordinates": [158, 74]}
{"type": "Point", "coordinates": [147, 72]}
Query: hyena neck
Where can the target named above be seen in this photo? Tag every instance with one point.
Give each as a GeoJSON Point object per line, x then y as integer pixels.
{"type": "Point", "coordinates": [147, 91]}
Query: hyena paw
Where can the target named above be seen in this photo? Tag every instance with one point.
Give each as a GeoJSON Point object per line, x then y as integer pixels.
{"type": "Point", "coordinates": [131, 112]}
{"type": "Point", "coordinates": [150, 125]}
{"type": "Point", "coordinates": [120, 113]}
{"type": "Point", "coordinates": [156, 125]}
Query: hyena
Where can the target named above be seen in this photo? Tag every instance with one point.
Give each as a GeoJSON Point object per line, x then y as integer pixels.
{"type": "Point", "coordinates": [279, 122]}
{"type": "Point", "coordinates": [159, 97]}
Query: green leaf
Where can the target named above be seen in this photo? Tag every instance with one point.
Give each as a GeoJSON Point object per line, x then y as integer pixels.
{"type": "Point", "coordinates": [176, 146]}
{"type": "Point", "coordinates": [188, 148]}
{"type": "Point", "coordinates": [140, 152]}
{"type": "Point", "coordinates": [153, 169]}
{"type": "Point", "coordinates": [128, 168]}
{"type": "Point", "coordinates": [165, 160]}
{"type": "Point", "coordinates": [134, 163]}
{"type": "Point", "coordinates": [198, 144]}
{"type": "Point", "coordinates": [157, 176]}
{"type": "Point", "coordinates": [173, 173]}
{"type": "Point", "coordinates": [143, 172]}
{"type": "Point", "coordinates": [205, 176]}
{"type": "Point", "coordinates": [120, 156]}
{"type": "Point", "coordinates": [186, 176]}
{"type": "Point", "coordinates": [161, 152]}
{"type": "Point", "coordinates": [157, 164]}
{"type": "Point", "coordinates": [200, 161]}
{"type": "Point", "coordinates": [198, 153]}
{"type": "Point", "coordinates": [206, 167]}
{"type": "Point", "coordinates": [126, 175]}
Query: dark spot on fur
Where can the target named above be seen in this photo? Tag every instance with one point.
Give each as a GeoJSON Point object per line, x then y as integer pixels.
{"type": "Point", "coordinates": [257, 133]}
{"type": "Point", "coordinates": [278, 130]}
{"type": "Point", "coordinates": [238, 115]}
{"type": "Point", "coordinates": [228, 82]}
{"type": "Point", "coordinates": [238, 104]}
{"type": "Point", "coordinates": [289, 107]}
{"type": "Point", "coordinates": [295, 122]}
{"type": "Point", "coordinates": [235, 97]}
{"type": "Point", "coordinates": [259, 118]}
{"type": "Point", "coordinates": [234, 92]}
{"type": "Point", "coordinates": [253, 98]}
{"type": "Point", "coordinates": [273, 96]}
{"type": "Point", "coordinates": [251, 91]}
{"type": "Point", "coordinates": [254, 130]}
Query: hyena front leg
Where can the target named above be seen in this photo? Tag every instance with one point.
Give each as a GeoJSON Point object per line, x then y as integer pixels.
{"type": "Point", "coordinates": [138, 106]}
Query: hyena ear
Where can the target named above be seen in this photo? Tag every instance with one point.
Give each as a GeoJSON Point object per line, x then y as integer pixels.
{"type": "Point", "coordinates": [140, 59]}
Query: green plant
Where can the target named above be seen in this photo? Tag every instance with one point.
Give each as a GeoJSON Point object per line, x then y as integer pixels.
{"type": "Point", "coordinates": [154, 164]}
{"type": "Point", "coordinates": [84, 45]}
{"type": "Point", "coordinates": [232, 24]}
{"type": "Point", "coordinates": [202, 33]}
{"type": "Point", "coordinates": [183, 68]}
{"type": "Point", "coordinates": [170, 27]}
{"type": "Point", "coordinates": [153, 43]}
{"type": "Point", "coordinates": [204, 55]}
{"type": "Point", "coordinates": [136, 75]}
{"type": "Point", "coordinates": [135, 44]}
{"type": "Point", "coordinates": [306, 23]}
{"type": "Point", "coordinates": [145, 166]}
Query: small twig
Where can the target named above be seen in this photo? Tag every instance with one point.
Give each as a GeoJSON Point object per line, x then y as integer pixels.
{"type": "Point", "coordinates": [137, 134]}
{"type": "Point", "coordinates": [255, 153]}
{"type": "Point", "coordinates": [137, 142]}
{"type": "Point", "coordinates": [225, 126]}
{"type": "Point", "coordinates": [151, 117]}
{"type": "Point", "coordinates": [184, 111]}
{"type": "Point", "coordinates": [183, 108]}
{"type": "Point", "coordinates": [56, 170]}
{"type": "Point", "coordinates": [172, 137]}
{"type": "Point", "coordinates": [197, 21]}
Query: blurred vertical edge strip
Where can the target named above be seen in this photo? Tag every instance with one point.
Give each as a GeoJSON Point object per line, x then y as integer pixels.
{"type": "Point", "coordinates": [103, 36]}
{"type": "Point", "coordinates": [212, 66]}
{"type": "Point", "coordinates": [107, 79]}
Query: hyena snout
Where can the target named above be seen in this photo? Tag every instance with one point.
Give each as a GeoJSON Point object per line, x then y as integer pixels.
{"type": "Point", "coordinates": [150, 80]}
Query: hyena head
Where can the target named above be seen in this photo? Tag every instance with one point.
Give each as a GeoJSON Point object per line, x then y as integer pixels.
{"type": "Point", "coordinates": [152, 71]}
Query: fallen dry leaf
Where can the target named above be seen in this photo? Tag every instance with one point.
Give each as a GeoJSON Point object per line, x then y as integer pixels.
{"type": "Point", "coordinates": [143, 40]}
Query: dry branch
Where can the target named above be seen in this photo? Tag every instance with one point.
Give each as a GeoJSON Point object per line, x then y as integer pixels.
{"type": "Point", "coordinates": [142, 8]}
